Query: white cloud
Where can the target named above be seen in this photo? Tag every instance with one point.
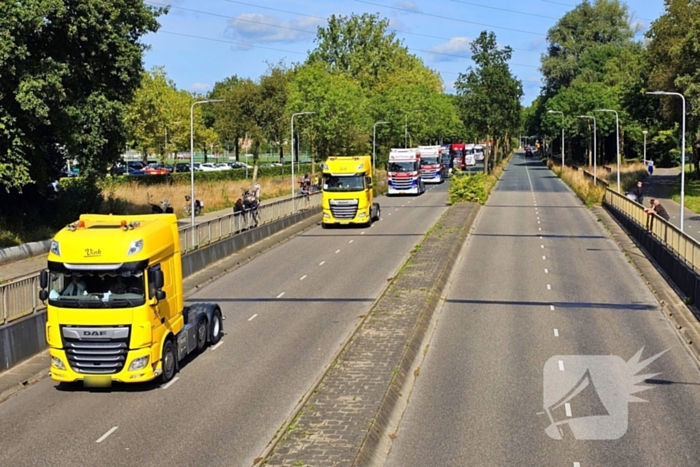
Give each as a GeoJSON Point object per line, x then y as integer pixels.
{"type": "Point", "coordinates": [200, 87]}
{"type": "Point", "coordinates": [406, 5]}
{"type": "Point", "coordinates": [455, 49]}
{"type": "Point", "coordinates": [256, 28]}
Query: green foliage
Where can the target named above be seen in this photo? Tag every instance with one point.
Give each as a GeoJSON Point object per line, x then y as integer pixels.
{"type": "Point", "coordinates": [75, 196]}
{"type": "Point", "coordinates": [69, 67]}
{"type": "Point", "coordinates": [471, 188]}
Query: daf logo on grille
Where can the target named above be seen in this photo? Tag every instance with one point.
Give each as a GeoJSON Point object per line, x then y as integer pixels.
{"type": "Point", "coordinates": [94, 333]}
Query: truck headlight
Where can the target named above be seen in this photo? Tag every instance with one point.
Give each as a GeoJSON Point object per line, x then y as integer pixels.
{"type": "Point", "coordinates": [362, 215]}
{"type": "Point", "coordinates": [326, 215]}
{"type": "Point", "coordinates": [55, 248]}
{"type": "Point", "coordinates": [139, 363]}
{"type": "Point", "coordinates": [135, 247]}
{"type": "Point", "coordinates": [57, 363]}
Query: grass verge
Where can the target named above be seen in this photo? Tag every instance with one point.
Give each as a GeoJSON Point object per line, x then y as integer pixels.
{"type": "Point", "coordinates": [691, 200]}
{"type": "Point", "coordinates": [475, 188]}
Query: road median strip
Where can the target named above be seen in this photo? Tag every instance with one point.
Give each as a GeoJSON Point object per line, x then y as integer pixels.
{"type": "Point", "coordinates": [348, 412]}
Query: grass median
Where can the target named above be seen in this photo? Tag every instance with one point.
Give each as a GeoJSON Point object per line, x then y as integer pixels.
{"type": "Point", "coordinates": [475, 188]}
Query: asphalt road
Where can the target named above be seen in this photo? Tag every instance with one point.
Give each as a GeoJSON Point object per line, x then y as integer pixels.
{"type": "Point", "coordinates": [287, 313]}
{"type": "Point", "coordinates": [522, 296]}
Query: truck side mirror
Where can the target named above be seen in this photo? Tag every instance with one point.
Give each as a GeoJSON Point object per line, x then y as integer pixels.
{"type": "Point", "coordinates": [44, 279]}
{"type": "Point", "coordinates": [158, 279]}
{"type": "Point", "coordinates": [160, 294]}
{"type": "Point", "coordinates": [43, 295]}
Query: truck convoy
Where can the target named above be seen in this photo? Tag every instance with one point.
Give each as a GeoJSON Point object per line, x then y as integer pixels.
{"type": "Point", "coordinates": [115, 309]}
{"type": "Point", "coordinates": [431, 168]}
{"type": "Point", "coordinates": [403, 172]}
{"type": "Point", "coordinates": [348, 197]}
{"type": "Point", "coordinates": [457, 152]}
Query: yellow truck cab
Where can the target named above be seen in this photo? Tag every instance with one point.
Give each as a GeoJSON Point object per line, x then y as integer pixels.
{"type": "Point", "coordinates": [348, 197]}
{"type": "Point", "coordinates": [115, 308]}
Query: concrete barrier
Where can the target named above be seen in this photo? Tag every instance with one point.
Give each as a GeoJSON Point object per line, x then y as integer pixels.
{"type": "Point", "coordinates": [26, 250]}
{"type": "Point", "coordinates": [25, 337]}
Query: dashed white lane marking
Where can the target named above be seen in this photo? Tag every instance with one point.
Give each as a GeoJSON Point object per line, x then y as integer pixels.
{"type": "Point", "coordinates": [577, 464]}
{"type": "Point", "coordinates": [549, 286]}
{"type": "Point", "coordinates": [280, 295]}
{"type": "Point", "coordinates": [321, 263]}
{"type": "Point", "coordinates": [253, 317]}
{"type": "Point", "coordinates": [544, 257]}
{"type": "Point", "coordinates": [546, 271]}
{"type": "Point", "coordinates": [538, 218]}
{"type": "Point", "coordinates": [362, 233]}
{"type": "Point", "coordinates": [542, 246]}
{"type": "Point", "coordinates": [172, 381]}
{"type": "Point", "coordinates": [114, 428]}
{"type": "Point", "coordinates": [556, 333]}
{"type": "Point", "coordinates": [337, 251]}
{"type": "Point", "coordinates": [540, 229]}
{"type": "Point", "coordinates": [302, 277]}
{"type": "Point", "coordinates": [567, 406]}
{"type": "Point", "coordinates": [538, 222]}
{"type": "Point", "coordinates": [219, 344]}
{"type": "Point", "coordinates": [351, 241]}
{"type": "Point", "coordinates": [390, 214]}
{"type": "Point", "coordinates": [561, 365]}
{"type": "Point", "coordinates": [551, 307]}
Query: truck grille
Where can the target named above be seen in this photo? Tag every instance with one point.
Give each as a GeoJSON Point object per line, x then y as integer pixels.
{"type": "Point", "coordinates": [428, 174]}
{"type": "Point", "coordinates": [96, 355]}
{"type": "Point", "coordinates": [344, 209]}
{"type": "Point", "coordinates": [402, 183]}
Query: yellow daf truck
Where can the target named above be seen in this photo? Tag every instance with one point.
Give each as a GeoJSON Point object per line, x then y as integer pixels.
{"type": "Point", "coordinates": [115, 310]}
{"type": "Point", "coordinates": [348, 197]}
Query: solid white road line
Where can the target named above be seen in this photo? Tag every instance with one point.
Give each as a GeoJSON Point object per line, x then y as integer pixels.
{"type": "Point", "coordinates": [556, 333]}
{"type": "Point", "coordinates": [567, 406]}
{"type": "Point", "coordinates": [111, 430]}
{"type": "Point", "coordinates": [253, 317]}
{"type": "Point", "coordinates": [218, 345]}
{"type": "Point", "coordinates": [302, 277]}
{"type": "Point", "coordinates": [561, 365]}
{"type": "Point", "coordinates": [321, 263]}
{"type": "Point", "coordinates": [172, 381]}
{"type": "Point", "coordinates": [280, 295]}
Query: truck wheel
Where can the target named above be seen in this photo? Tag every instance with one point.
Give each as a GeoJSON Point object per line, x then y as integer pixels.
{"type": "Point", "coordinates": [378, 213]}
{"type": "Point", "coordinates": [201, 334]}
{"type": "Point", "coordinates": [216, 328]}
{"type": "Point", "coordinates": [169, 360]}
{"type": "Point", "coordinates": [324, 225]}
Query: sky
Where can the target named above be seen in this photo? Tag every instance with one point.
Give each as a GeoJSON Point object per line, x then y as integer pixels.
{"type": "Point", "coordinates": [201, 42]}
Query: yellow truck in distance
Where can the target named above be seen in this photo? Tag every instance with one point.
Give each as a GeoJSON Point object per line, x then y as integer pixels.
{"type": "Point", "coordinates": [348, 197]}
{"type": "Point", "coordinates": [115, 310]}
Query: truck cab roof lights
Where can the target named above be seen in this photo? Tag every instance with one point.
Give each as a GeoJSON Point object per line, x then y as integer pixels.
{"type": "Point", "coordinates": [129, 226]}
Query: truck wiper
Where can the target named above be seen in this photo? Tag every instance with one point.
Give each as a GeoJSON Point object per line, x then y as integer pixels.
{"type": "Point", "coordinates": [115, 302]}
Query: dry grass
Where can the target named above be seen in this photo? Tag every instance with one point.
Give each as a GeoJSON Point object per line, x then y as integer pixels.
{"type": "Point", "coordinates": [135, 199]}
{"type": "Point", "coordinates": [593, 194]}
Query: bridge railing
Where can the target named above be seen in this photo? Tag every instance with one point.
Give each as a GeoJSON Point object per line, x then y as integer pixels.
{"type": "Point", "coordinates": [19, 297]}
{"type": "Point", "coordinates": [681, 244]}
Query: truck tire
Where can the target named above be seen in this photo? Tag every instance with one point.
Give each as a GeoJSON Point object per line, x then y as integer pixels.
{"type": "Point", "coordinates": [169, 359]}
{"type": "Point", "coordinates": [378, 213]}
{"type": "Point", "coordinates": [201, 334]}
{"type": "Point", "coordinates": [216, 329]}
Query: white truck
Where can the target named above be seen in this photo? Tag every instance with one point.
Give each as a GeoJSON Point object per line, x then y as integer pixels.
{"type": "Point", "coordinates": [403, 172]}
{"type": "Point", "coordinates": [431, 168]}
{"type": "Point", "coordinates": [469, 156]}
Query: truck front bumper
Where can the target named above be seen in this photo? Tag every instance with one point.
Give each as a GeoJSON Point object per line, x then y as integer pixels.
{"type": "Point", "coordinates": [362, 217]}
{"type": "Point", "coordinates": [62, 371]}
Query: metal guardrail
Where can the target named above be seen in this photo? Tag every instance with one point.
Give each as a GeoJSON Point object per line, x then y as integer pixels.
{"type": "Point", "coordinates": [19, 297]}
{"type": "Point", "coordinates": [682, 245]}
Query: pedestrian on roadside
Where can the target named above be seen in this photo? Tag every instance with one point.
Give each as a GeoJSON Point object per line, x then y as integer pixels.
{"type": "Point", "coordinates": [638, 192]}
{"type": "Point", "coordinates": [650, 168]}
{"type": "Point", "coordinates": [658, 209]}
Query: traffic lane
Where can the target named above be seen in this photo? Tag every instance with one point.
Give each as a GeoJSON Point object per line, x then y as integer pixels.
{"type": "Point", "coordinates": [143, 402]}
{"type": "Point", "coordinates": [267, 380]}
{"type": "Point", "coordinates": [469, 398]}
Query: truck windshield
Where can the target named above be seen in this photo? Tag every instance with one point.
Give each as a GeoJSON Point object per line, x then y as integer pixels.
{"type": "Point", "coordinates": [408, 166]}
{"type": "Point", "coordinates": [96, 289]}
{"type": "Point", "coordinates": [456, 152]}
{"type": "Point", "coordinates": [429, 161]}
{"type": "Point", "coordinates": [337, 183]}
{"type": "Point", "coordinates": [469, 150]}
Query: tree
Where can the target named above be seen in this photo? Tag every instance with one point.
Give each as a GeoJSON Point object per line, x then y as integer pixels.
{"type": "Point", "coordinates": [69, 69]}
{"type": "Point", "coordinates": [490, 94]}
{"type": "Point", "coordinates": [273, 103]}
{"type": "Point", "coordinates": [225, 117]}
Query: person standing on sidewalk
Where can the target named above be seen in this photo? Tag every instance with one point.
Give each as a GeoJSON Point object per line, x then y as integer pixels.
{"type": "Point", "coordinates": [639, 193]}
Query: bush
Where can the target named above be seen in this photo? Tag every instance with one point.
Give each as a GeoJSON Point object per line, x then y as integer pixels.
{"type": "Point", "coordinates": [471, 188]}
{"type": "Point", "coordinates": [74, 197]}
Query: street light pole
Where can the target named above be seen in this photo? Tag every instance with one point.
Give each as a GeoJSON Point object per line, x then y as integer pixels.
{"type": "Point", "coordinates": [617, 141]}
{"type": "Point", "coordinates": [664, 93]}
{"type": "Point", "coordinates": [374, 148]}
{"type": "Point", "coordinates": [192, 155]}
{"type": "Point", "coordinates": [645, 146]}
{"type": "Point", "coordinates": [563, 164]}
{"type": "Point", "coordinates": [595, 149]}
{"type": "Point", "coordinates": [292, 145]}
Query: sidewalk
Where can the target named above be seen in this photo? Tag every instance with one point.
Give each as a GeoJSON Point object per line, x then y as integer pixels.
{"type": "Point", "coordinates": [32, 265]}
{"type": "Point", "coordinates": [658, 186]}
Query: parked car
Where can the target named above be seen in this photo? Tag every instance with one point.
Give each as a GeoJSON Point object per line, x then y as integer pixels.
{"type": "Point", "coordinates": [156, 169]}
{"type": "Point", "coordinates": [182, 167]}
{"type": "Point", "coordinates": [240, 165]}
{"type": "Point", "coordinates": [222, 166]}
{"type": "Point", "coordinates": [133, 172]}
{"type": "Point", "coordinates": [207, 167]}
